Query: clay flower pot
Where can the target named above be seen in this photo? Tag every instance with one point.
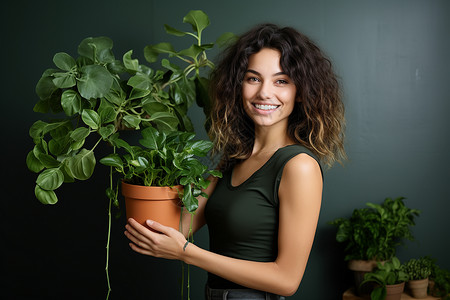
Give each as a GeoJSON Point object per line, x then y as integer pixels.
{"type": "Point", "coordinates": [160, 204]}
{"type": "Point", "coordinates": [359, 268]}
{"type": "Point", "coordinates": [418, 288]}
{"type": "Point", "coordinates": [394, 292]}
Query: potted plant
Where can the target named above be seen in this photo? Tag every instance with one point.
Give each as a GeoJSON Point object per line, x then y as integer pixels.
{"type": "Point", "coordinates": [371, 235]}
{"type": "Point", "coordinates": [95, 96]}
{"type": "Point", "coordinates": [389, 278]}
{"type": "Point", "coordinates": [166, 163]}
{"type": "Point", "coordinates": [439, 280]}
{"type": "Point", "coordinates": [418, 271]}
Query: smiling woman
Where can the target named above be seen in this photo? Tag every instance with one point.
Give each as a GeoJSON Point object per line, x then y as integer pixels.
{"type": "Point", "coordinates": [277, 115]}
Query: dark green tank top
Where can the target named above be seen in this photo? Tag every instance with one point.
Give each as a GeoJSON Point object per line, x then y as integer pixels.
{"type": "Point", "coordinates": [243, 220]}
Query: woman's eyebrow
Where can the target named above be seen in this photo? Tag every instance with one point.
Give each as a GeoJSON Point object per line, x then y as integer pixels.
{"type": "Point", "coordinates": [257, 73]}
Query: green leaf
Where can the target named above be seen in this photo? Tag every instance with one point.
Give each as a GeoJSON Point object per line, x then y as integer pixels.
{"type": "Point", "coordinates": [48, 161]}
{"type": "Point", "coordinates": [33, 163]}
{"type": "Point", "coordinates": [45, 197]}
{"type": "Point", "coordinates": [189, 201]}
{"type": "Point", "coordinates": [112, 160]}
{"type": "Point", "coordinates": [37, 129]}
{"type": "Point", "coordinates": [71, 102]}
{"type": "Point", "coordinates": [173, 31]}
{"type": "Point", "coordinates": [150, 137]}
{"type": "Point", "coordinates": [193, 51]}
{"type": "Point", "coordinates": [116, 95]}
{"type": "Point", "coordinates": [130, 64]}
{"type": "Point", "coordinates": [97, 49]}
{"type": "Point", "coordinates": [45, 86]}
{"type": "Point", "coordinates": [151, 52]}
{"type": "Point", "coordinates": [138, 93]}
{"type": "Point", "coordinates": [132, 121]}
{"type": "Point", "coordinates": [198, 19]}
{"type": "Point", "coordinates": [201, 148]}
{"type": "Point", "coordinates": [140, 81]}
{"type": "Point", "coordinates": [64, 61]}
{"type": "Point", "coordinates": [105, 132]}
{"type": "Point", "coordinates": [166, 122]}
{"type": "Point", "coordinates": [107, 112]}
{"type": "Point", "coordinates": [95, 81]}
{"type": "Point", "coordinates": [64, 80]}
{"type": "Point", "coordinates": [82, 165]}
{"type": "Point", "coordinates": [80, 134]}
{"type": "Point", "coordinates": [50, 179]}
{"type": "Point", "coordinates": [91, 118]}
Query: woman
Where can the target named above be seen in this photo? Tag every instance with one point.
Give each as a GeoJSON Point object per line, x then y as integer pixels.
{"type": "Point", "coordinates": [277, 114]}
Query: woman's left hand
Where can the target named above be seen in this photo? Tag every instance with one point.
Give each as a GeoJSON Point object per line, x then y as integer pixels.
{"type": "Point", "coordinates": [158, 241]}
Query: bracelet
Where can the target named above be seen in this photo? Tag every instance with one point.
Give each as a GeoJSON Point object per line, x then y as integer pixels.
{"type": "Point", "coordinates": [185, 245]}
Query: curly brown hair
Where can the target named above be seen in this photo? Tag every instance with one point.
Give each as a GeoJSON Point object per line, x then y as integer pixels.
{"type": "Point", "coordinates": [317, 121]}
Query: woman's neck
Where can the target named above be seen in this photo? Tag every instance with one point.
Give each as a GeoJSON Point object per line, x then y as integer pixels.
{"type": "Point", "coordinates": [270, 139]}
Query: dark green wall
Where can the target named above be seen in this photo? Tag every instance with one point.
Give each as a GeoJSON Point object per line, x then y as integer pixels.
{"type": "Point", "coordinates": [392, 57]}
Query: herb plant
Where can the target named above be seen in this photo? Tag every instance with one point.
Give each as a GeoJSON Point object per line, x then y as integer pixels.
{"type": "Point", "coordinates": [387, 273]}
{"type": "Point", "coordinates": [373, 233]}
{"type": "Point", "coordinates": [417, 268]}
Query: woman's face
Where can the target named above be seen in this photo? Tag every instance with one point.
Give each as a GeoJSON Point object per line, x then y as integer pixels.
{"type": "Point", "coordinates": [268, 93]}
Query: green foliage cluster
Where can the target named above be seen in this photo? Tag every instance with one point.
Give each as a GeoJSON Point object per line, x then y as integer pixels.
{"type": "Point", "coordinates": [376, 231]}
{"type": "Point", "coordinates": [164, 160]}
{"type": "Point", "coordinates": [417, 268]}
{"type": "Point", "coordinates": [387, 273]}
{"type": "Point", "coordinates": [95, 96]}
{"type": "Point", "coordinates": [440, 278]}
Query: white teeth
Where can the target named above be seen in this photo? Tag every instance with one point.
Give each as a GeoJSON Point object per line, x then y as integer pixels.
{"type": "Point", "coordinates": [265, 107]}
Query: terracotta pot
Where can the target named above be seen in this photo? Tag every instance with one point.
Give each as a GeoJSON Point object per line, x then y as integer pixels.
{"type": "Point", "coordinates": [394, 292]}
{"type": "Point", "coordinates": [418, 288]}
{"type": "Point", "coordinates": [160, 204]}
{"type": "Point", "coordinates": [360, 268]}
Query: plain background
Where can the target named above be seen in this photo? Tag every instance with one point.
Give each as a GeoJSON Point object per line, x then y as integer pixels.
{"type": "Point", "coordinates": [393, 61]}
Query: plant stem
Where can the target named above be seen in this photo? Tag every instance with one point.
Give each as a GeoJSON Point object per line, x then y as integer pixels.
{"type": "Point", "coordinates": [109, 236]}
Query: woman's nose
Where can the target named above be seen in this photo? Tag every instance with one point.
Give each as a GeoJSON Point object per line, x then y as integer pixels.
{"type": "Point", "coordinates": [265, 91]}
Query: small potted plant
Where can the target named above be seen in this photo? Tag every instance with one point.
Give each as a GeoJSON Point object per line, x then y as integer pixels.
{"type": "Point", "coordinates": [418, 271]}
{"type": "Point", "coordinates": [439, 280]}
{"type": "Point", "coordinates": [371, 235]}
{"type": "Point", "coordinates": [389, 278]}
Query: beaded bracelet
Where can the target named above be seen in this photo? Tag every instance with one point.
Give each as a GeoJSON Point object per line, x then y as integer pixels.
{"type": "Point", "coordinates": [185, 245]}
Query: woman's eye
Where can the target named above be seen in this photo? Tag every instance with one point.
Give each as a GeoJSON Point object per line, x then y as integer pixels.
{"type": "Point", "coordinates": [252, 79]}
{"type": "Point", "coordinates": [282, 81]}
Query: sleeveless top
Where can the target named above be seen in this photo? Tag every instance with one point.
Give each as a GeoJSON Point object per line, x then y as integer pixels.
{"type": "Point", "coordinates": [243, 220]}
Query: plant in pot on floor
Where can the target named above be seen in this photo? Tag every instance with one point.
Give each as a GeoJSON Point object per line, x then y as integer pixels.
{"type": "Point", "coordinates": [389, 278]}
{"type": "Point", "coordinates": [371, 235]}
{"type": "Point", "coordinates": [439, 280]}
{"type": "Point", "coordinates": [96, 96]}
{"type": "Point", "coordinates": [418, 271]}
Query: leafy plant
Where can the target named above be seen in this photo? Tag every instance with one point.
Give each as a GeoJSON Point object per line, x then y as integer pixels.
{"type": "Point", "coordinates": [95, 96]}
{"type": "Point", "coordinates": [165, 160]}
{"type": "Point", "coordinates": [387, 273]}
{"type": "Point", "coordinates": [373, 233]}
{"type": "Point", "coordinates": [417, 268]}
{"type": "Point", "coordinates": [439, 279]}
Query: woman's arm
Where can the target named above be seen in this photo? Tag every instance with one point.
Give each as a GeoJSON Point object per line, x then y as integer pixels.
{"type": "Point", "coordinates": [300, 198]}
